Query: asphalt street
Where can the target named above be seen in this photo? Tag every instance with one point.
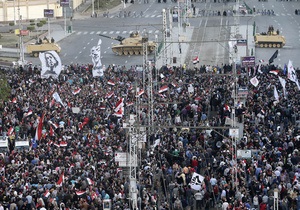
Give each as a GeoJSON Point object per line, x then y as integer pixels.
{"type": "Point", "coordinates": [209, 34]}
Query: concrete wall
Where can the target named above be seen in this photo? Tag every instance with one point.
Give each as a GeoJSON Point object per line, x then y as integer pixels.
{"type": "Point", "coordinates": [32, 9]}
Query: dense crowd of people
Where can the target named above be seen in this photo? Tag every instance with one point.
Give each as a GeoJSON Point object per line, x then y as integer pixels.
{"type": "Point", "coordinates": [72, 165]}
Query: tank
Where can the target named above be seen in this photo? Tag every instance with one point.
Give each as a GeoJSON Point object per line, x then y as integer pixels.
{"type": "Point", "coordinates": [271, 39]}
{"type": "Point", "coordinates": [133, 45]}
{"type": "Point", "coordinates": [42, 46]}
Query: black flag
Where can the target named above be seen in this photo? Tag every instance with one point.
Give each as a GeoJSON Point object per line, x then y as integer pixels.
{"type": "Point", "coordinates": [271, 60]}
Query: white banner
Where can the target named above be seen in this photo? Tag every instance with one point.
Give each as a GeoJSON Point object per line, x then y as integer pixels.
{"type": "Point", "coordinates": [51, 64]}
{"type": "Point", "coordinates": [96, 58]}
{"type": "Point", "coordinates": [254, 81]}
{"type": "Point", "coordinates": [58, 99]}
{"type": "Point", "coordinates": [196, 181]}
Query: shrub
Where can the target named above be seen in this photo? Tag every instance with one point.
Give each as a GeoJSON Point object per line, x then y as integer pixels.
{"type": "Point", "coordinates": [31, 21]}
{"type": "Point", "coordinates": [11, 24]}
{"type": "Point", "coordinates": [30, 28]}
{"type": "Point", "coordinates": [32, 24]}
{"type": "Point", "coordinates": [43, 21]}
{"type": "Point", "coordinates": [39, 24]}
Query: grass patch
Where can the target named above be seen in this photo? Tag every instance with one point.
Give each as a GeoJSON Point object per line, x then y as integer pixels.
{"type": "Point", "coordinates": [10, 39]}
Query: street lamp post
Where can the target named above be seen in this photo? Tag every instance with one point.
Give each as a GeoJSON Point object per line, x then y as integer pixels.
{"type": "Point", "coordinates": [247, 32]}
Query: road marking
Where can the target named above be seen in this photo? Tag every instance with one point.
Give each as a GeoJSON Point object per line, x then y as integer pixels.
{"type": "Point", "coordinates": [76, 57]}
{"type": "Point", "coordinates": [104, 32]}
{"type": "Point", "coordinates": [79, 32]}
{"type": "Point", "coordinates": [117, 32]}
{"type": "Point", "coordinates": [111, 32]}
{"type": "Point", "coordinates": [150, 31]}
{"type": "Point", "coordinates": [130, 32]}
{"type": "Point", "coordinates": [146, 16]}
{"type": "Point", "coordinates": [157, 31]}
{"type": "Point", "coordinates": [124, 32]}
{"type": "Point", "coordinates": [159, 16]}
{"type": "Point", "coordinates": [98, 32]}
{"type": "Point", "coordinates": [92, 32]}
{"type": "Point", "coordinates": [84, 47]}
{"type": "Point", "coordinates": [85, 32]}
{"type": "Point", "coordinates": [153, 16]}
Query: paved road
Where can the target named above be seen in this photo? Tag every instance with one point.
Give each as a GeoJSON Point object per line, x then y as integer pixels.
{"type": "Point", "coordinates": [287, 22]}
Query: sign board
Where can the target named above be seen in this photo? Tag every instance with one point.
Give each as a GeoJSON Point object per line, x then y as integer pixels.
{"type": "Point", "coordinates": [107, 204]}
{"type": "Point", "coordinates": [24, 32]}
{"type": "Point", "coordinates": [75, 110]}
{"type": "Point", "coordinates": [64, 3]}
{"type": "Point", "coordinates": [248, 61]}
{"type": "Point", "coordinates": [243, 92]}
{"type": "Point", "coordinates": [48, 13]}
{"type": "Point", "coordinates": [244, 154]}
{"type": "Point", "coordinates": [241, 42]}
{"type": "Point", "coordinates": [233, 132]}
{"type": "Point", "coordinates": [121, 157]}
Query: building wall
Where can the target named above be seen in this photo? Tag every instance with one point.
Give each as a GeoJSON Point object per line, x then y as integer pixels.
{"type": "Point", "coordinates": [32, 9]}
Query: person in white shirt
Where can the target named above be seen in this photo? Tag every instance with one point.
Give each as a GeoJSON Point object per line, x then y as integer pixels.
{"type": "Point", "coordinates": [225, 205]}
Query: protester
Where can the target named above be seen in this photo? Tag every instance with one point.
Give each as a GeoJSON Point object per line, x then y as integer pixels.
{"type": "Point", "coordinates": [71, 165]}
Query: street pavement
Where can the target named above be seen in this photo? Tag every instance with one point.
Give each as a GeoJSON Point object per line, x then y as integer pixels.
{"type": "Point", "coordinates": [179, 50]}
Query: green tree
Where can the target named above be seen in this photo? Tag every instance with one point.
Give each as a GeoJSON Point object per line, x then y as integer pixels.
{"type": "Point", "coordinates": [4, 88]}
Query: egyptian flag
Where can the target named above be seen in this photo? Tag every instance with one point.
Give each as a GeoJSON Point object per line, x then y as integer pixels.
{"type": "Point", "coordinates": [75, 92]}
{"type": "Point", "coordinates": [52, 102]}
{"type": "Point", "coordinates": [51, 132]}
{"type": "Point", "coordinates": [129, 103]}
{"type": "Point", "coordinates": [55, 125]}
{"type": "Point", "coordinates": [120, 112]}
{"type": "Point", "coordinates": [39, 128]}
{"type": "Point", "coordinates": [10, 131]}
{"type": "Point", "coordinates": [141, 92]}
{"type": "Point", "coordinates": [81, 125]}
{"type": "Point", "coordinates": [119, 104]}
{"type": "Point", "coordinates": [94, 195]}
{"type": "Point", "coordinates": [109, 95]}
{"type": "Point", "coordinates": [80, 192]}
{"type": "Point", "coordinates": [61, 179]}
{"type": "Point", "coordinates": [14, 100]}
{"type": "Point", "coordinates": [163, 89]}
{"type": "Point", "coordinates": [196, 60]}
{"type": "Point", "coordinates": [274, 72]}
{"type": "Point", "coordinates": [47, 193]}
{"type": "Point", "coordinates": [110, 82]}
{"type": "Point", "coordinates": [91, 182]}
{"type": "Point", "coordinates": [28, 113]}
{"type": "Point", "coordinates": [274, 56]}
{"type": "Point", "coordinates": [63, 144]}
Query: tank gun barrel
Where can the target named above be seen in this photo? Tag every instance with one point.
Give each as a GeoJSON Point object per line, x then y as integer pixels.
{"type": "Point", "coordinates": [118, 38]}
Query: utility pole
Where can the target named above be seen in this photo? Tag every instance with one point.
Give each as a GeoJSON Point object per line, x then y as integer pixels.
{"type": "Point", "coordinates": [15, 20]}
{"type": "Point", "coordinates": [49, 31]}
{"type": "Point", "coordinates": [21, 47]}
{"type": "Point", "coordinates": [165, 52]}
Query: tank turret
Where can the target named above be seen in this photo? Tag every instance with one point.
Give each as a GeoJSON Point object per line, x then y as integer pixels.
{"type": "Point", "coordinates": [133, 45]}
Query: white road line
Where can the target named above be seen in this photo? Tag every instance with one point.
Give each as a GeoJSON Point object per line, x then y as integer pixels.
{"type": "Point", "coordinates": [150, 31]}
{"type": "Point", "coordinates": [111, 32]}
{"type": "Point", "coordinates": [92, 32]}
{"type": "Point", "coordinates": [153, 16]}
{"type": "Point", "coordinates": [85, 32]}
{"type": "Point", "coordinates": [159, 16]}
{"type": "Point", "coordinates": [124, 32]}
{"type": "Point", "coordinates": [117, 32]}
{"type": "Point", "coordinates": [104, 32]}
{"type": "Point", "coordinates": [79, 32]}
{"type": "Point", "coordinates": [157, 31]}
{"type": "Point", "coordinates": [98, 32]}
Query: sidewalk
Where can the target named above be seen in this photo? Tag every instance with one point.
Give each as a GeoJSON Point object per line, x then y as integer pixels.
{"type": "Point", "coordinates": [176, 51]}
{"type": "Point", "coordinates": [58, 32]}
{"type": "Point", "coordinates": [242, 49]}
